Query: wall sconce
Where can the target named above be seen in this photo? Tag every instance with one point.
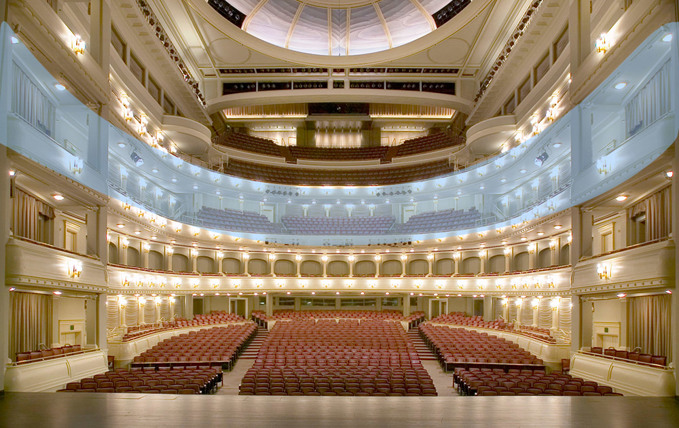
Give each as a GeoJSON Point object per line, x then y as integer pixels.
{"type": "Point", "coordinates": [326, 284]}
{"type": "Point", "coordinates": [519, 301]}
{"type": "Point", "coordinates": [235, 283]}
{"type": "Point", "coordinates": [395, 284]}
{"type": "Point", "coordinates": [418, 283]}
{"type": "Point", "coordinates": [169, 251]}
{"type": "Point", "coordinates": [157, 300]}
{"type": "Point", "coordinates": [482, 254]}
{"type": "Point", "coordinates": [503, 302]}
{"type": "Point", "coordinates": [280, 283]}
{"type": "Point", "coordinates": [532, 248]}
{"type": "Point", "coordinates": [146, 247]}
{"type": "Point", "coordinates": [220, 255]}
{"type": "Point", "coordinates": [456, 257]}
{"type": "Point", "coordinates": [194, 283]}
{"type": "Point", "coordinates": [378, 257]}
{"type": "Point", "coordinates": [430, 256]}
{"type": "Point", "coordinates": [141, 300]}
{"type": "Point", "coordinates": [440, 284]}
{"type": "Point", "coordinates": [140, 283]}
{"type": "Point", "coordinates": [75, 268]}
{"type": "Point", "coordinates": [215, 235]}
{"type": "Point", "coordinates": [78, 45]}
{"type": "Point", "coordinates": [76, 165]}
{"type": "Point", "coordinates": [143, 123]}
{"type": "Point", "coordinates": [177, 283]}
{"type": "Point", "coordinates": [603, 166]}
{"type": "Point", "coordinates": [552, 244]}
{"type": "Point", "coordinates": [349, 283]}
{"type": "Point", "coordinates": [602, 44]}
{"type": "Point", "coordinates": [303, 283]}
{"type": "Point", "coordinates": [272, 257]}
{"type": "Point", "coordinates": [246, 256]}
{"type": "Point", "coordinates": [122, 302]}
{"type": "Point", "coordinates": [535, 303]}
{"type": "Point", "coordinates": [352, 258]}
{"type": "Point", "coordinates": [404, 257]}
{"type": "Point", "coordinates": [125, 242]}
{"type": "Point", "coordinates": [373, 284]}
{"type": "Point", "coordinates": [604, 271]}
{"type": "Point", "coordinates": [194, 252]}
{"type": "Point", "coordinates": [324, 258]}
{"type": "Point", "coordinates": [125, 282]}
{"type": "Point", "coordinates": [507, 251]}
{"type": "Point", "coordinates": [554, 303]}
{"type": "Point", "coordinates": [298, 257]}
{"type": "Point", "coordinates": [214, 283]}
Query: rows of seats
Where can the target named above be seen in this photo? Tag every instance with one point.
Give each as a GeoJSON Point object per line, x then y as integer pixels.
{"type": "Point", "coordinates": [248, 143]}
{"type": "Point", "coordinates": [165, 380]}
{"type": "Point", "coordinates": [338, 225]}
{"type": "Point", "coordinates": [218, 346]}
{"type": "Point", "coordinates": [427, 143]}
{"type": "Point", "coordinates": [458, 347]}
{"type": "Point", "coordinates": [632, 356]}
{"type": "Point", "coordinates": [337, 177]}
{"type": "Point", "coordinates": [284, 314]}
{"type": "Point", "coordinates": [47, 354]}
{"type": "Point", "coordinates": [137, 331]}
{"type": "Point", "coordinates": [487, 382]}
{"type": "Point", "coordinates": [460, 318]}
{"type": "Point", "coordinates": [345, 357]}
{"type": "Point", "coordinates": [242, 221]}
{"type": "Point", "coordinates": [215, 317]}
{"type": "Point", "coordinates": [334, 154]}
{"type": "Point", "coordinates": [439, 221]}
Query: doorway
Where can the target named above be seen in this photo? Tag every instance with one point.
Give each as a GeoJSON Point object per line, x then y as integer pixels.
{"type": "Point", "coordinates": [239, 307]}
{"type": "Point", "coordinates": [437, 307]}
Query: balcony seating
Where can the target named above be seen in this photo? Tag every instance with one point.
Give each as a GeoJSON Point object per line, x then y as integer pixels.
{"type": "Point", "coordinates": [248, 143]}
{"type": "Point", "coordinates": [345, 357]}
{"type": "Point", "coordinates": [487, 381]}
{"type": "Point", "coordinates": [427, 144]}
{"type": "Point", "coordinates": [621, 354]}
{"type": "Point", "coordinates": [337, 177]}
{"type": "Point", "coordinates": [242, 221]}
{"type": "Point", "coordinates": [338, 225]}
{"type": "Point", "coordinates": [47, 354]}
{"type": "Point", "coordinates": [178, 380]}
{"type": "Point", "coordinates": [458, 347]}
{"type": "Point", "coordinates": [386, 315]}
{"type": "Point", "coordinates": [459, 318]}
{"type": "Point", "coordinates": [439, 221]}
{"type": "Point", "coordinates": [219, 346]}
{"type": "Point", "coordinates": [336, 154]}
{"type": "Point", "coordinates": [216, 317]}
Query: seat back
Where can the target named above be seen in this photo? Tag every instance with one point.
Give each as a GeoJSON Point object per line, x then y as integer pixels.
{"type": "Point", "coordinates": [597, 350]}
{"type": "Point", "coordinates": [659, 359]}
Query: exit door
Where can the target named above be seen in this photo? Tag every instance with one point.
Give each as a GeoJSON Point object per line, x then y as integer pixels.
{"type": "Point", "coordinates": [239, 307]}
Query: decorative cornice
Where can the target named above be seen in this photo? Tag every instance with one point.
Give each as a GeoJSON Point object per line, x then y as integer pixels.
{"type": "Point", "coordinates": [160, 33]}
{"type": "Point", "coordinates": [511, 43]}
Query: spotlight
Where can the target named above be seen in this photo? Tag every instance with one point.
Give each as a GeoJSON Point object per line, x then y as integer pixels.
{"type": "Point", "coordinates": [541, 159]}
{"type": "Point", "coordinates": [138, 161]}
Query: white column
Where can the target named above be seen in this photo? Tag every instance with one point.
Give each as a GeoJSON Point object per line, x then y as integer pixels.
{"type": "Point", "coordinates": [5, 210]}
{"type": "Point", "coordinates": [456, 259]}
{"type": "Point", "coordinates": [508, 259]}
{"type": "Point", "coordinates": [406, 304]}
{"type": "Point", "coordinates": [404, 262]}
{"type": "Point", "coordinates": [244, 260]}
{"type": "Point", "coordinates": [101, 321]}
{"type": "Point", "coordinates": [269, 304]}
{"type": "Point", "coordinates": [430, 262]}
{"type": "Point", "coordinates": [576, 323]}
{"type": "Point", "coordinates": [536, 309]}
{"type": "Point", "coordinates": [188, 306]}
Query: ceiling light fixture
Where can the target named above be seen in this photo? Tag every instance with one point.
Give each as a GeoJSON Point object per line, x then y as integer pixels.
{"type": "Point", "coordinates": [620, 85]}
{"type": "Point", "coordinates": [58, 197]}
{"type": "Point", "coordinates": [621, 198]}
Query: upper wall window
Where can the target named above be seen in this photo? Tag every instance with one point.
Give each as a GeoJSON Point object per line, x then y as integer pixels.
{"type": "Point", "coordinates": [168, 106]}
{"type": "Point", "coordinates": [118, 43]}
{"type": "Point", "coordinates": [542, 68]}
{"type": "Point", "coordinates": [136, 68]}
{"type": "Point", "coordinates": [561, 43]}
{"type": "Point", "coordinates": [510, 105]}
{"type": "Point", "coordinates": [524, 89]}
{"type": "Point", "coordinates": [154, 89]}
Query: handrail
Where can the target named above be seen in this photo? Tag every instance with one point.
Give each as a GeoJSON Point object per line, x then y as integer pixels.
{"type": "Point", "coordinates": [53, 357]}
{"type": "Point", "coordinates": [626, 360]}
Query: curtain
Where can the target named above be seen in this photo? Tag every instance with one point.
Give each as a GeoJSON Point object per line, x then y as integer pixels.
{"type": "Point", "coordinates": [112, 316]}
{"type": "Point", "coordinates": [650, 103]}
{"type": "Point", "coordinates": [26, 214]}
{"type": "Point", "coordinates": [30, 322]}
{"type": "Point", "coordinates": [545, 313]}
{"type": "Point", "coordinates": [658, 210]}
{"type": "Point", "coordinates": [650, 320]}
{"type": "Point", "coordinates": [565, 315]}
{"type": "Point", "coordinates": [31, 103]}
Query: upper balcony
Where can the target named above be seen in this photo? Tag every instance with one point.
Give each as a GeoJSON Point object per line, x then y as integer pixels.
{"type": "Point", "coordinates": [581, 155]}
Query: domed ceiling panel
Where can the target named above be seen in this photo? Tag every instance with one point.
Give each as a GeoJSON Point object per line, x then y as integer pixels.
{"type": "Point", "coordinates": [366, 32]}
{"type": "Point", "coordinates": [310, 30]}
{"type": "Point", "coordinates": [348, 27]}
{"type": "Point", "coordinates": [405, 22]}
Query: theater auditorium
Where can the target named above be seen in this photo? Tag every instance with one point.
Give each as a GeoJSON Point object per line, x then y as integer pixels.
{"type": "Point", "coordinates": [339, 212]}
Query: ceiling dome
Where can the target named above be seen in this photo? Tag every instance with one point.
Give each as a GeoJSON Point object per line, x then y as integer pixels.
{"type": "Point", "coordinates": [338, 27]}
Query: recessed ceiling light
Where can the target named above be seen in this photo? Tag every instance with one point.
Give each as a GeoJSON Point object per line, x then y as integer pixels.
{"type": "Point", "coordinates": [195, 187]}
{"type": "Point", "coordinates": [58, 197]}
{"type": "Point", "coordinates": [174, 180]}
{"type": "Point", "coordinates": [14, 40]}
{"type": "Point", "coordinates": [522, 171]}
{"type": "Point", "coordinates": [621, 295]}
{"type": "Point", "coordinates": [557, 226]}
{"type": "Point", "coordinates": [12, 173]}
{"type": "Point", "coordinates": [60, 87]}
{"type": "Point", "coordinates": [57, 292]}
{"type": "Point", "coordinates": [669, 174]}
{"type": "Point", "coordinates": [504, 180]}
{"type": "Point", "coordinates": [541, 233]}
{"type": "Point", "coordinates": [667, 38]}
{"type": "Point", "coordinates": [154, 170]}
{"type": "Point", "coordinates": [120, 225]}
{"type": "Point", "coordinates": [121, 144]}
{"type": "Point", "coordinates": [482, 187]}
{"type": "Point", "coordinates": [620, 85]}
{"type": "Point", "coordinates": [556, 145]}
{"type": "Point", "coordinates": [137, 232]}
{"type": "Point", "coordinates": [621, 198]}
{"type": "Point", "coordinates": [523, 238]}
{"type": "Point", "coordinates": [154, 237]}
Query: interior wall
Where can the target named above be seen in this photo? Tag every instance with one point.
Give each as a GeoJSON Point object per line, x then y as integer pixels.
{"type": "Point", "coordinates": [70, 311]}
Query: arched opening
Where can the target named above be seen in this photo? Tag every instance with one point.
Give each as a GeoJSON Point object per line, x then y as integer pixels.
{"type": "Point", "coordinates": [338, 268]}
{"type": "Point", "coordinates": [471, 265]}
{"type": "Point", "coordinates": [364, 268]}
{"type": "Point", "coordinates": [284, 267]}
{"type": "Point", "coordinates": [496, 264]}
{"type": "Point", "coordinates": [180, 263]}
{"type": "Point", "coordinates": [311, 268]}
{"type": "Point", "coordinates": [391, 267]}
{"type": "Point", "coordinates": [445, 267]}
{"type": "Point", "coordinates": [133, 258]}
{"type": "Point", "coordinates": [545, 258]}
{"type": "Point", "coordinates": [565, 256]}
{"type": "Point", "coordinates": [258, 267]}
{"type": "Point", "coordinates": [112, 253]}
{"type": "Point", "coordinates": [205, 265]}
{"type": "Point", "coordinates": [231, 266]}
{"type": "Point", "coordinates": [418, 267]}
{"type": "Point", "coordinates": [156, 260]}
{"type": "Point", "coordinates": [521, 261]}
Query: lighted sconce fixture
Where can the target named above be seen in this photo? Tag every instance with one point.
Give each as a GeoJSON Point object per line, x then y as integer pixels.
{"type": "Point", "coordinates": [604, 271]}
{"type": "Point", "coordinates": [603, 166]}
{"type": "Point", "coordinates": [507, 251]}
{"type": "Point", "coordinates": [602, 44]}
{"type": "Point", "coordinates": [554, 303]}
{"type": "Point", "coordinates": [430, 256]}
{"type": "Point", "coordinates": [404, 257]}
{"type": "Point", "coordinates": [352, 258]}
{"type": "Point", "coordinates": [298, 257]}
{"type": "Point", "coordinates": [324, 258]}
{"type": "Point", "coordinates": [220, 255]}
{"type": "Point", "coordinates": [535, 303]}
{"type": "Point", "coordinates": [194, 283]}
{"type": "Point", "coordinates": [122, 302]}
{"type": "Point", "coordinates": [246, 256]}
{"type": "Point", "coordinates": [78, 45]}
{"type": "Point", "coordinates": [214, 283]}
{"type": "Point", "coordinates": [76, 165]}
{"type": "Point", "coordinates": [146, 247]}
{"type": "Point", "coordinates": [552, 244]}
{"type": "Point", "coordinates": [519, 301]}
{"type": "Point", "coordinates": [621, 295]}
{"type": "Point", "coordinates": [215, 235]}
{"type": "Point", "coordinates": [128, 115]}
{"type": "Point", "coordinates": [378, 257]}
{"type": "Point", "coordinates": [143, 123]}
{"type": "Point", "coordinates": [125, 242]}
{"type": "Point", "coordinates": [621, 198]}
